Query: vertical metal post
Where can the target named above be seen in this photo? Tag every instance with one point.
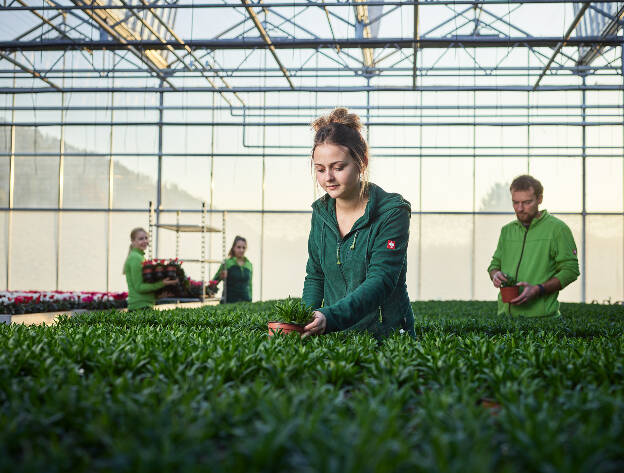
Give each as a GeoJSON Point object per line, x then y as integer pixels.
{"type": "Point", "coordinates": [622, 153]}
{"type": "Point", "coordinates": [151, 230]}
{"type": "Point", "coordinates": [528, 148]}
{"type": "Point", "coordinates": [177, 252]}
{"type": "Point", "coordinates": [473, 257]}
{"type": "Point", "coordinates": [212, 148]}
{"type": "Point", "coordinates": [420, 205]}
{"type": "Point", "coordinates": [584, 197]}
{"type": "Point", "coordinates": [223, 253]}
{"type": "Point", "coordinates": [59, 213]}
{"type": "Point", "coordinates": [161, 96]}
{"type": "Point", "coordinates": [263, 196]}
{"type": "Point", "coordinates": [111, 181]}
{"type": "Point", "coordinates": [415, 46]}
{"type": "Point", "coordinates": [202, 264]}
{"type": "Point", "coordinates": [11, 191]}
{"type": "Point", "coordinates": [368, 111]}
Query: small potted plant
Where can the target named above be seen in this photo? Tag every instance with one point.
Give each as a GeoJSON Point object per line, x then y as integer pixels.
{"type": "Point", "coordinates": [159, 270]}
{"type": "Point", "coordinates": [509, 291]}
{"type": "Point", "coordinates": [172, 268]}
{"type": "Point", "coordinates": [148, 271]}
{"type": "Point", "coordinates": [292, 315]}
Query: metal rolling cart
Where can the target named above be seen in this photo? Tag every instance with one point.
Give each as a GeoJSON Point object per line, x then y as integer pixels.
{"type": "Point", "coordinates": [204, 230]}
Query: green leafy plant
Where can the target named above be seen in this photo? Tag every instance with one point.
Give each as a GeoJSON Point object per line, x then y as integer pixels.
{"type": "Point", "coordinates": [510, 281]}
{"type": "Point", "coordinates": [293, 311]}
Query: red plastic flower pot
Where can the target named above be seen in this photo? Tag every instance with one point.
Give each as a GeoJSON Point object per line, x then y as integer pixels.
{"type": "Point", "coordinates": [281, 327]}
{"type": "Point", "coordinates": [509, 293]}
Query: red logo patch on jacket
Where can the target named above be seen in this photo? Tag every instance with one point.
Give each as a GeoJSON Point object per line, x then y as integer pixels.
{"type": "Point", "coordinates": [391, 245]}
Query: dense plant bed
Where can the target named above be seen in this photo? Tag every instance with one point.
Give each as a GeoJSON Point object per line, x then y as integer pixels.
{"type": "Point", "coordinates": [207, 390]}
{"type": "Point", "coordinates": [29, 302]}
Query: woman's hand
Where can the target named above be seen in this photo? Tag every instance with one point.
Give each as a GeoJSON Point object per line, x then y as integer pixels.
{"type": "Point", "coordinates": [317, 326]}
{"type": "Point", "coordinates": [170, 281]}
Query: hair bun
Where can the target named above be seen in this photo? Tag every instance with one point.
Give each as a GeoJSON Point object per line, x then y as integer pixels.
{"type": "Point", "coordinates": [340, 116]}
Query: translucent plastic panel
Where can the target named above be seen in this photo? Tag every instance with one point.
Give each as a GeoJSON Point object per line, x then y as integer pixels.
{"type": "Point", "coordinates": [4, 181]}
{"type": "Point", "coordinates": [447, 184]}
{"type": "Point", "coordinates": [237, 183]}
{"type": "Point", "coordinates": [4, 230]}
{"type": "Point", "coordinates": [500, 136]}
{"type": "Point", "coordinates": [87, 139]}
{"type": "Point", "coordinates": [5, 137]}
{"type": "Point", "coordinates": [36, 182]}
{"type": "Point", "coordinates": [38, 140]}
{"type": "Point", "coordinates": [83, 255]}
{"type": "Point", "coordinates": [186, 182]}
{"type": "Point", "coordinates": [560, 136]}
{"type": "Point", "coordinates": [414, 274]}
{"type": "Point", "coordinates": [604, 184]}
{"type": "Point", "coordinates": [562, 181]}
{"type": "Point", "coordinates": [487, 232]}
{"type": "Point", "coordinates": [188, 139]}
{"type": "Point", "coordinates": [605, 258]}
{"type": "Point", "coordinates": [85, 182]}
{"type": "Point", "coordinates": [400, 175]}
{"type": "Point", "coordinates": [135, 139]}
{"type": "Point", "coordinates": [492, 180]}
{"type": "Point", "coordinates": [122, 224]}
{"type": "Point", "coordinates": [33, 251]}
{"type": "Point", "coordinates": [446, 246]}
{"type": "Point", "coordinates": [285, 254]}
{"type": "Point", "coordinates": [573, 292]}
{"type": "Point", "coordinates": [436, 139]}
{"type": "Point", "coordinates": [289, 184]}
{"type": "Point", "coordinates": [134, 182]}
{"type": "Point", "coordinates": [605, 139]}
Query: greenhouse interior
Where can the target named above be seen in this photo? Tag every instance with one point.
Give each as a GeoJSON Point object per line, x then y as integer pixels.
{"type": "Point", "coordinates": [108, 106]}
{"type": "Point", "coordinates": [337, 236]}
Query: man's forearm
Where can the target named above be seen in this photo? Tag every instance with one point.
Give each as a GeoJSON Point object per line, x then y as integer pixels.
{"type": "Point", "coordinates": [552, 285]}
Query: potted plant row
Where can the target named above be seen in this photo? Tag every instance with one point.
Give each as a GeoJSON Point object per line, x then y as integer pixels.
{"type": "Point", "coordinates": [155, 270]}
{"type": "Point", "coordinates": [291, 315]}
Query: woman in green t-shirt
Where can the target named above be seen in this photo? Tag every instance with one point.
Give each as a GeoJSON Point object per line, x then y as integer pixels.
{"type": "Point", "coordinates": [140, 294]}
{"type": "Point", "coordinates": [237, 273]}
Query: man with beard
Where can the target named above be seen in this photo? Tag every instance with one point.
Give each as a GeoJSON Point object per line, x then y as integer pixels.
{"type": "Point", "coordinates": [537, 250]}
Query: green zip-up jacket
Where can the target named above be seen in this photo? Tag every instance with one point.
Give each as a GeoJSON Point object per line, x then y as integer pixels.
{"type": "Point", "coordinates": [359, 280]}
{"type": "Point", "coordinates": [534, 255]}
{"type": "Point", "coordinates": [238, 283]}
{"type": "Point", "coordinates": [140, 294]}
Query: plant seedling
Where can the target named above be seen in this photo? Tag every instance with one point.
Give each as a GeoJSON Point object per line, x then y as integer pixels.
{"type": "Point", "coordinates": [293, 311]}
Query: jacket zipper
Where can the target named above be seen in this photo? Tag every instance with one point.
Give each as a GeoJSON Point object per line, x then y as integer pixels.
{"type": "Point", "coordinates": [526, 232]}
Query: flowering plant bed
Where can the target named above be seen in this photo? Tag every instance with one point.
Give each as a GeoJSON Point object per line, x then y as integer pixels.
{"type": "Point", "coordinates": [29, 302]}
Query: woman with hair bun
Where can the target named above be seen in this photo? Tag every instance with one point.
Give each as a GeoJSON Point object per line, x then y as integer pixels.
{"type": "Point", "coordinates": [237, 272]}
{"type": "Point", "coordinates": [141, 295]}
{"type": "Point", "coordinates": [357, 249]}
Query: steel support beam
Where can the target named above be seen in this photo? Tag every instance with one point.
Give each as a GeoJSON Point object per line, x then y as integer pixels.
{"type": "Point", "coordinates": [416, 45]}
{"type": "Point", "coordinates": [30, 71]}
{"type": "Point", "coordinates": [361, 15]}
{"type": "Point", "coordinates": [296, 4]}
{"type": "Point", "coordinates": [575, 22]}
{"type": "Point", "coordinates": [321, 43]}
{"type": "Point", "coordinates": [145, 55]}
{"type": "Point", "coordinates": [192, 54]}
{"type": "Point", "coordinates": [611, 29]}
{"type": "Point", "coordinates": [267, 40]}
